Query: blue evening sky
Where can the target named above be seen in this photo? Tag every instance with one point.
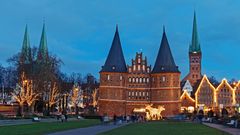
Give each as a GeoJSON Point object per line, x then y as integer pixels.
{"type": "Point", "coordinates": [80, 32]}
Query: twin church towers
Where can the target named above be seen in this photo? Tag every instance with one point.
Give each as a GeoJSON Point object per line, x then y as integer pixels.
{"type": "Point", "coordinates": [126, 87]}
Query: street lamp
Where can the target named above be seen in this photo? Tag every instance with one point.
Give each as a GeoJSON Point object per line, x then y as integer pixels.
{"type": "Point", "coordinates": [12, 108]}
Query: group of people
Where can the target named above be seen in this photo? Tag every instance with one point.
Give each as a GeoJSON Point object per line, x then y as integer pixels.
{"type": "Point", "coordinates": [121, 119]}
{"type": "Point", "coordinates": [63, 117]}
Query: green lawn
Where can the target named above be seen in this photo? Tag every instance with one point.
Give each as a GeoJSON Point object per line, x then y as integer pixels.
{"type": "Point", "coordinates": [45, 127]}
{"type": "Point", "coordinates": [164, 128]}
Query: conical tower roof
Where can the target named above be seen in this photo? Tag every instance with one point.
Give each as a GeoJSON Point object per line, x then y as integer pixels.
{"type": "Point", "coordinates": [115, 61]}
{"type": "Point", "coordinates": [26, 50]}
{"type": "Point", "coordinates": [164, 62]}
{"type": "Point", "coordinates": [195, 45]}
{"type": "Point", "coordinates": [43, 49]}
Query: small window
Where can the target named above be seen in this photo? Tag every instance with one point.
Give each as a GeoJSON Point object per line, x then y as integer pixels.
{"type": "Point", "coordinates": [140, 80]}
{"type": "Point", "coordinates": [139, 60]}
{"type": "Point", "coordinates": [139, 67]}
{"type": "Point", "coordinates": [129, 79]}
{"type": "Point", "coordinates": [130, 70]}
{"type": "Point", "coordinates": [143, 67]}
{"type": "Point", "coordinates": [163, 78]}
{"type": "Point", "coordinates": [136, 80]}
{"type": "Point", "coordinates": [108, 77]}
{"type": "Point", "coordinates": [120, 78]}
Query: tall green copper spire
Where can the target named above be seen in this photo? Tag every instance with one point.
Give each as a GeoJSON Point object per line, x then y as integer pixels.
{"type": "Point", "coordinates": [195, 45]}
{"type": "Point", "coordinates": [43, 49]}
{"type": "Point", "coordinates": [26, 50]}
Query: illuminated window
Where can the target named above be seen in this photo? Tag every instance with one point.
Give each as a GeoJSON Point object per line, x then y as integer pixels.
{"type": "Point", "coordinates": [130, 70]}
{"type": "Point", "coordinates": [133, 80]}
{"type": "Point", "coordinates": [129, 79]}
{"type": "Point", "coordinates": [144, 80]}
{"type": "Point", "coordinates": [120, 78]}
{"type": "Point", "coordinates": [140, 80]}
{"type": "Point", "coordinates": [134, 67]}
{"type": "Point", "coordinates": [139, 67]}
{"type": "Point", "coordinates": [143, 67]}
{"type": "Point", "coordinates": [136, 80]}
{"type": "Point", "coordinates": [108, 77]}
{"type": "Point", "coordinates": [139, 60]}
{"type": "Point", "coordinates": [163, 78]}
{"type": "Point", "coordinates": [147, 80]}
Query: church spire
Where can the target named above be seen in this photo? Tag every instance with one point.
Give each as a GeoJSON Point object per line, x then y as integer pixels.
{"type": "Point", "coordinates": [164, 61]}
{"type": "Point", "coordinates": [195, 45]}
{"type": "Point", "coordinates": [115, 61]}
{"type": "Point", "coordinates": [43, 49]}
{"type": "Point", "coordinates": [26, 50]}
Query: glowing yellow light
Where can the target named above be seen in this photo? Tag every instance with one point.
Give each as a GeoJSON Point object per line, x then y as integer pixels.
{"type": "Point", "coordinates": [224, 81]}
{"type": "Point", "coordinates": [199, 87]}
{"type": "Point", "coordinates": [185, 93]}
{"type": "Point", "coordinates": [151, 113]}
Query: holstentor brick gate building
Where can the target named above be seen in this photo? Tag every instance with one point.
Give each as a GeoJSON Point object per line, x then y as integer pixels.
{"type": "Point", "coordinates": [123, 88]}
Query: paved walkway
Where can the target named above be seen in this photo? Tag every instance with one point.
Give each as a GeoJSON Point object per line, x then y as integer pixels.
{"type": "Point", "coordinates": [232, 131]}
{"type": "Point", "coordinates": [89, 130]}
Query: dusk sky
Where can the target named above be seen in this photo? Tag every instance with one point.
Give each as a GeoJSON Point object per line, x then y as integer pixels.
{"type": "Point", "coordinates": [81, 32]}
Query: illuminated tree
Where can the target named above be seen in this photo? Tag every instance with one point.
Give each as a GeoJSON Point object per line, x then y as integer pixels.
{"type": "Point", "coordinates": [53, 95]}
{"type": "Point", "coordinates": [25, 93]}
{"type": "Point", "coordinates": [94, 98]}
{"type": "Point", "coordinates": [18, 95]}
{"type": "Point", "coordinates": [76, 97]}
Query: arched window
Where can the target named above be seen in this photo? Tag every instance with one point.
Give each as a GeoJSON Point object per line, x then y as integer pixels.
{"type": "Point", "coordinates": [130, 70]}
{"type": "Point", "coordinates": [144, 80]}
{"type": "Point", "coordinates": [163, 78]}
{"type": "Point", "coordinates": [139, 60]}
{"type": "Point", "coordinates": [147, 80]}
{"type": "Point", "coordinates": [133, 80]}
{"type": "Point", "coordinates": [148, 70]}
{"type": "Point", "coordinates": [129, 79]}
{"type": "Point", "coordinates": [140, 80]}
{"type": "Point", "coordinates": [134, 67]}
{"type": "Point", "coordinates": [136, 80]}
{"type": "Point", "coordinates": [139, 67]}
{"type": "Point", "coordinates": [108, 77]}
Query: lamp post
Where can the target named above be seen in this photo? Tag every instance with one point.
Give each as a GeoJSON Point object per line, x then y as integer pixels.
{"type": "Point", "coordinates": [12, 108]}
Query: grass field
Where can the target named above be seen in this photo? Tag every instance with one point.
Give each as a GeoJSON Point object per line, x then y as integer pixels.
{"type": "Point", "coordinates": [164, 128]}
{"type": "Point", "coordinates": [45, 127]}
